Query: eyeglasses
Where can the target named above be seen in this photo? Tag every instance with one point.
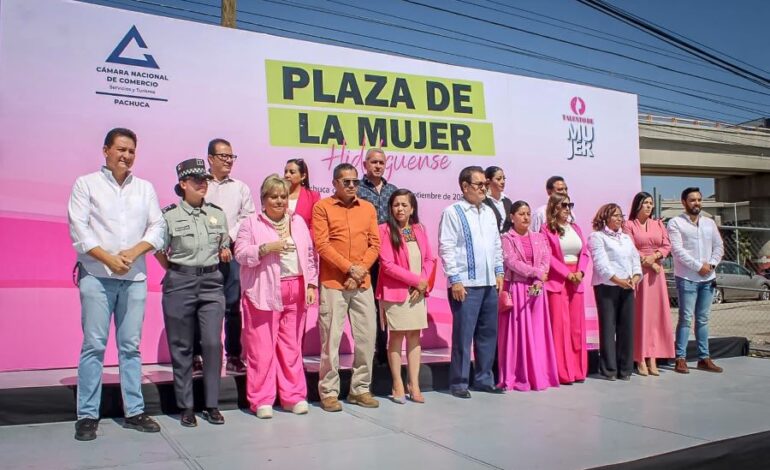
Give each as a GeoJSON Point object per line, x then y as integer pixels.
{"type": "Point", "coordinates": [349, 182]}
{"type": "Point", "coordinates": [478, 185]}
{"type": "Point", "coordinates": [567, 205]}
{"type": "Point", "coordinates": [619, 216]}
{"type": "Point", "coordinates": [225, 157]}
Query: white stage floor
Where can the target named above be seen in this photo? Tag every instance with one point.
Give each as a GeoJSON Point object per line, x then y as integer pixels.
{"type": "Point", "coordinates": [580, 426]}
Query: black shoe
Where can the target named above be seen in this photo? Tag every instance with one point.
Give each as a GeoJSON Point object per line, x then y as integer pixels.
{"type": "Point", "coordinates": [461, 393]}
{"type": "Point", "coordinates": [580, 381]}
{"type": "Point", "coordinates": [142, 422]}
{"type": "Point", "coordinates": [213, 416]}
{"type": "Point", "coordinates": [625, 377]}
{"type": "Point", "coordinates": [85, 429]}
{"type": "Point", "coordinates": [235, 365]}
{"type": "Point", "coordinates": [488, 389]}
{"type": "Point", "coordinates": [188, 419]}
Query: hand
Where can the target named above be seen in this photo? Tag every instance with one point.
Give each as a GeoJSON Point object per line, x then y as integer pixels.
{"type": "Point", "coordinates": [656, 268]}
{"type": "Point", "coordinates": [571, 277]}
{"type": "Point", "coordinates": [458, 292]}
{"type": "Point", "coordinates": [414, 295]}
{"type": "Point", "coordinates": [635, 280]}
{"type": "Point", "coordinates": [544, 277]}
{"type": "Point", "coordinates": [350, 284]}
{"type": "Point", "coordinates": [358, 273]}
{"type": "Point", "coordinates": [118, 264]}
{"type": "Point", "coordinates": [422, 286]}
{"type": "Point", "coordinates": [624, 283]}
{"type": "Point", "coordinates": [225, 256]}
{"type": "Point", "coordinates": [578, 277]}
{"type": "Point", "coordinates": [649, 260]}
{"type": "Point", "coordinates": [499, 283]}
{"type": "Point", "coordinates": [382, 318]}
{"type": "Point", "coordinates": [128, 256]}
{"type": "Point", "coordinates": [705, 269]}
{"type": "Point", "coordinates": [310, 295]}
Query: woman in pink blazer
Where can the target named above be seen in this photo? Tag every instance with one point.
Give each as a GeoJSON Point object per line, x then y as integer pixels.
{"type": "Point", "coordinates": [565, 286]}
{"type": "Point", "coordinates": [525, 352]}
{"type": "Point", "coordinates": [278, 280]}
{"type": "Point", "coordinates": [406, 265]}
{"type": "Point", "coordinates": [301, 197]}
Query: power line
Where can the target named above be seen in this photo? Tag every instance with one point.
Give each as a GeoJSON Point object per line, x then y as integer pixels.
{"type": "Point", "coordinates": [583, 46]}
{"type": "Point", "coordinates": [649, 28]}
{"type": "Point", "coordinates": [375, 49]}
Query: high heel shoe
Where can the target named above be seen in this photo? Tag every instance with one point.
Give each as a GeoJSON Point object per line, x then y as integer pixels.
{"type": "Point", "coordinates": [652, 366]}
{"type": "Point", "coordinates": [641, 369]}
{"type": "Point", "coordinates": [399, 399]}
{"type": "Point", "coordinates": [415, 397]}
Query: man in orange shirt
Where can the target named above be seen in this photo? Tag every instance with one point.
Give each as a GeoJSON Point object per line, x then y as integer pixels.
{"type": "Point", "coordinates": [347, 240]}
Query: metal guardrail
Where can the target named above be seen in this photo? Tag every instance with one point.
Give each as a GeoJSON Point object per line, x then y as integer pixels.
{"type": "Point", "coordinates": [654, 119]}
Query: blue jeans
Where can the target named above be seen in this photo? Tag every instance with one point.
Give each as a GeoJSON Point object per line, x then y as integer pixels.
{"type": "Point", "coordinates": [694, 298]}
{"type": "Point", "coordinates": [99, 299]}
{"type": "Point", "coordinates": [474, 321]}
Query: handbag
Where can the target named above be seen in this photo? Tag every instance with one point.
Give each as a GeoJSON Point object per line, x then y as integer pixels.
{"type": "Point", "coordinates": [504, 300]}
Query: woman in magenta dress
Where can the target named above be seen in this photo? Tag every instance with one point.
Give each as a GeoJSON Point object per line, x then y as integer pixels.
{"type": "Point", "coordinates": [653, 335]}
{"type": "Point", "coordinates": [564, 288]}
{"type": "Point", "coordinates": [525, 352]}
{"type": "Point", "coordinates": [301, 197]}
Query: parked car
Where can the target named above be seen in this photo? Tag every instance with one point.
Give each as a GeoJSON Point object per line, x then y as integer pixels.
{"type": "Point", "coordinates": [734, 283]}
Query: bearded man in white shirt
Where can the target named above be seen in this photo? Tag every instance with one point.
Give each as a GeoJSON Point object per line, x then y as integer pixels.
{"type": "Point", "coordinates": [114, 219]}
{"type": "Point", "coordinates": [697, 249]}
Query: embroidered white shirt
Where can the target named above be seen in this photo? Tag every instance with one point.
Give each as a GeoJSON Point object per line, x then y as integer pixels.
{"type": "Point", "coordinates": [613, 254]}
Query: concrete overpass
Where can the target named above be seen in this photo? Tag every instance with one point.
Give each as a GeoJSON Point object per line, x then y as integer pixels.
{"type": "Point", "coordinates": [737, 157]}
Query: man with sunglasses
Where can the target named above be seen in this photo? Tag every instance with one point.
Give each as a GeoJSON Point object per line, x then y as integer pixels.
{"type": "Point", "coordinates": [470, 248]}
{"type": "Point", "coordinates": [554, 184]}
{"type": "Point", "coordinates": [375, 189]}
{"type": "Point", "coordinates": [347, 239]}
{"type": "Point", "coordinates": [234, 198]}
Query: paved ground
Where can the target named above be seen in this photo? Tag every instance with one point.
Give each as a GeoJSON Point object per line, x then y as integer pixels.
{"type": "Point", "coordinates": [580, 426]}
{"type": "Point", "coordinates": [749, 319]}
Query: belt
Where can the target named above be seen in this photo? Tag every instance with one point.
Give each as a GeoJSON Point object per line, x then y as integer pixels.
{"type": "Point", "coordinates": [193, 269]}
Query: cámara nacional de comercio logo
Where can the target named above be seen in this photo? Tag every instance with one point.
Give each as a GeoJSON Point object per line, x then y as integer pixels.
{"type": "Point", "coordinates": [132, 75]}
{"type": "Point", "coordinates": [581, 129]}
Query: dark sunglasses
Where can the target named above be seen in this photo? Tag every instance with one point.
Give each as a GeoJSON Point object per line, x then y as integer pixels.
{"type": "Point", "coordinates": [567, 205]}
{"type": "Point", "coordinates": [349, 182]}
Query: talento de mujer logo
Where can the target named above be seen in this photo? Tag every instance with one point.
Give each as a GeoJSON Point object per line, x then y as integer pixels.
{"type": "Point", "coordinates": [581, 129]}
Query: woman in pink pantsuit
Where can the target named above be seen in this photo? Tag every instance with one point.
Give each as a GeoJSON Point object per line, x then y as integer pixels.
{"type": "Point", "coordinates": [569, 259]}
{"type": "Point", "coordinates": [653, 335]}
{"type": "Point", "coordinates": [525, 352]}
{"type": "Point", "coordinates": [278, 280]}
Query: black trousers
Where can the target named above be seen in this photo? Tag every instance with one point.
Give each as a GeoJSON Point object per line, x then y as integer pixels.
{"type": "Point", "coordinates": [191, 301]}
{"type": "Point", "coordinates": [233, 321]}
{"type": "Point", "coordinates": [381, 342]}
{"type": "Point", "coordinates": [615, 307]}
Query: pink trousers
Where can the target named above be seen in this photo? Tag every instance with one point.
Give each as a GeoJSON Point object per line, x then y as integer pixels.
{"type": "Point", "coordinates": [568, 322]}
{"type": "Point", "coordinates": [273, 345]}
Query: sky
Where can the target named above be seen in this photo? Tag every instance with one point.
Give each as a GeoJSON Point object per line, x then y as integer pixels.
{"type": "Point", "coordinates": [554, 39]}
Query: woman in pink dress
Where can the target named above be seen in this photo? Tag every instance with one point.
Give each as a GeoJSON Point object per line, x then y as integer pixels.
{"type": "Point", "coordinates": [565, 286]}
{"type": "Point", "coordinates": [301, 197]}
{"type": "Point", "coordinates": [653, 335]}
{"type": "Point", "coordinates": [525, 352]}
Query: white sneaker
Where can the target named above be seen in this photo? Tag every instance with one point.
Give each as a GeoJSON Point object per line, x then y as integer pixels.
{"type": "Point", "coordinates": [265, 412]}
{"type": "Point", "coordinates": [300, 408]}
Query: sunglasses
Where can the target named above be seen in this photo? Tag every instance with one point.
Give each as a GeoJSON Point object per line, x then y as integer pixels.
{"type": "Point", "coordinates": [349, 182]}
{"type": "Point", "coordinates": [567, 205]}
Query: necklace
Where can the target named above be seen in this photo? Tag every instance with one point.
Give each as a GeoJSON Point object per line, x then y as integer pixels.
{"type": "Point", "coordinates": [281, 226]}
{"type": "Point", "coordinates": [408, 234]}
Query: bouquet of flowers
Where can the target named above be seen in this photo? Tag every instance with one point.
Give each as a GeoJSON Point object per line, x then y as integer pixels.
{"type": "Point", "coordinates": [535, 289]}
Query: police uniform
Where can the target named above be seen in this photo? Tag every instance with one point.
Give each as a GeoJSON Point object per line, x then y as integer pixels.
{"type": "Point", "coordinates": [192, 289]}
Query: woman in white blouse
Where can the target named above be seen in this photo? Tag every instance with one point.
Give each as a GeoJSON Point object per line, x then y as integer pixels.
{"type": "Point", "coordinates": [617, 271]}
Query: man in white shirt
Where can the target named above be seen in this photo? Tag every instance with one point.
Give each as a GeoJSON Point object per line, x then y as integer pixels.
{"type": "Point", "coordinates": [470, 248]}
{"type": "Point", "coordinates": [114, 219]}
{"type": "Point", "coordinates": [697, 249]}
{"type": "Point", "coordinates": [234, 198]}
{"type": "Point", "coordinates": [554, 184]}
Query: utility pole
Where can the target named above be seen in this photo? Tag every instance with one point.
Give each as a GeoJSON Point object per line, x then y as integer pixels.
{"type": "Point", "coordinates": [228, 13]}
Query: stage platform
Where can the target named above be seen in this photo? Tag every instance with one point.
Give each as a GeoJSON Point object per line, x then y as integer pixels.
{"type": "Point", "coordinates": [572, 427]}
